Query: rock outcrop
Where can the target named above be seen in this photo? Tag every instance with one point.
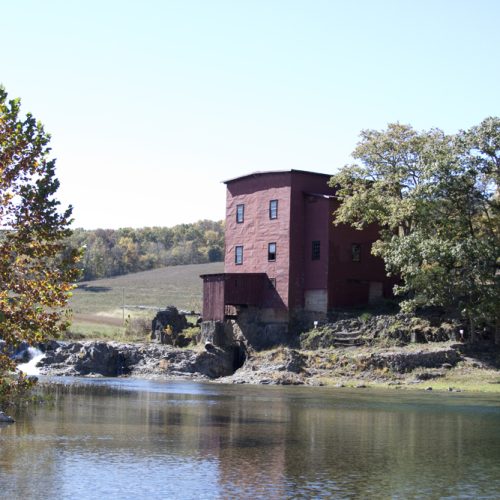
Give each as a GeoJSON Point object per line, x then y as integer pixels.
{"type": "Point", "coordinates": [282, 366]}
{"type": "Point", "coordinates": [406, 361]}
{"type": "Point", "coordinates": [112, 359]}
{"type": "Point", "coordinates": [167, 327]}
{"type": "Point", "coordinates": [396, 329]}
{"type": "Point", "coordinates": [229, 362]}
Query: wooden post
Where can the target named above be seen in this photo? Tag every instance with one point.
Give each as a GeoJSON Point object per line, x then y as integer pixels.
{"type": "Point", "coordinates": [123, 306]}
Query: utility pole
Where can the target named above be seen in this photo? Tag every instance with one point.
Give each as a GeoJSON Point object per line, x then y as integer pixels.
{"type": "Point", "coordinates": [123, 306]}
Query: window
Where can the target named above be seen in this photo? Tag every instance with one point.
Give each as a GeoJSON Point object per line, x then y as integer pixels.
{"type": "Point", "coordinates": [273, 209]}
{"type": "Point", "coordinates": [315, 250]}
{"type": "Point", "coordinates": [356, 252]}
{"type": "Point", "coordinates": [240, 213]}
{"type": "Point", "coordinates": [238, 255]}
{"type": "Point", "coordinates": [272, 283]}
{"type": "Point", "coordinates": [271, 251]}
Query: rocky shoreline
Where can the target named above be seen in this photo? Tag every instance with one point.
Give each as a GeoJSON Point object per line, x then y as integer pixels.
{"type": "Point", "coordinates": [388, 350]}
{"type": "Point", "coordinates": [343, 366]}
{"type": "Point", "coordinates": [115, 359]}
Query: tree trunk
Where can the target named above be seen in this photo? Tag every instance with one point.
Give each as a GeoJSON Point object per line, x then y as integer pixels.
{"type": "Point", "coordinates": [472, 331]}
{"type": "Point", "coordinates": [497, 331]}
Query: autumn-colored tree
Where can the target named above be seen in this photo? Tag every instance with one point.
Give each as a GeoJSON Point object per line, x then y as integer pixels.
{"type": "Point", "coordinates": [36, 270]}
{"type": "Point", "coordinates": [110, 252]}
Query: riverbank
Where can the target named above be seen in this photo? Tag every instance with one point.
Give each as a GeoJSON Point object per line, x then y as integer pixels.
{"type": "Point", "coordinates": [437, 366]}
{"type": "Point", "coordinates": [441, 366]}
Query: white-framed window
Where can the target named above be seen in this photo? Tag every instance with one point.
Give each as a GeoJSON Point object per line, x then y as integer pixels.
{"type": "Point", "coordinates": [271, 252]}
{"type": "Point", "coordinates": [238, 255]}
{"type": "Point", "coordinates": [240, 213]}
{"type": "Point", "coordinates": [273, 209]}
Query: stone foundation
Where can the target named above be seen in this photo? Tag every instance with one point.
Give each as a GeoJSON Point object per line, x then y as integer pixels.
{"type": "Point", "coordinates": [252, 329]}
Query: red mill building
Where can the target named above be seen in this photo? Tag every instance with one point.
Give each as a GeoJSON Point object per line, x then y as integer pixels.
{"type": "Point", "coordinates": [284, 257]}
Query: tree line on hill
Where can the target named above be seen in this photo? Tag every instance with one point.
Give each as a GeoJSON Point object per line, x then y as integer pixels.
{"type": "Point", "coordinates": [111, 252]}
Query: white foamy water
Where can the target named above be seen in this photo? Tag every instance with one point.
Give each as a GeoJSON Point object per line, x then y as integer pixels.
{"type": "Point", "coordinates": [30, 367]}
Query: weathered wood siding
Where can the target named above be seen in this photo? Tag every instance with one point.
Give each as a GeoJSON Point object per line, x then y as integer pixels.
{"type": "Point", "coordinates": [245, 289]}
{"type": "Point", "coordinates": [213, 297]}
{"type": "Point", "coordinates": [236, 289]}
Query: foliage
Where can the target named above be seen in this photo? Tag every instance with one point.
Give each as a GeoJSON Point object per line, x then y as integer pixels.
{"type": "Point", "coordinates": [365, 316]}
{"type": "Point", "coordinates": [13, 388]}
{"type": "Point", "coordinates": [137, 328]}
{"type": "Point", "coordinates": [109, 252]}
{"type": "Point", "coordinates": [435, 199]}
{"type": "Point", "coordinates": [192, 333]}
{"type": "Point", "coordinates": [36, 270]}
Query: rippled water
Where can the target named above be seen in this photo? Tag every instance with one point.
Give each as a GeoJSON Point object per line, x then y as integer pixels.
{"type": "Point", "coordinates": [126, 438]}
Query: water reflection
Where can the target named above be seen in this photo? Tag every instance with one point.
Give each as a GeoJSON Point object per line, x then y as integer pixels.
{"type": "Point", "coordinates": [138, 439]}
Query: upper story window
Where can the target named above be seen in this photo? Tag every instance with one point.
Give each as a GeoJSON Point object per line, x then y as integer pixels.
{"type": "Point", "coordinates": [356, 252]}
{"type": "Point", "coordinates": [273, 209]}
{"type": "Point", "coordinates": [271, 251]}
{"type": "Point", "coordinates": [316, 250]}
{"type": "Point", "coordinates": [240, 213]}
{"type": "Point", "coordinates": [238, 255]}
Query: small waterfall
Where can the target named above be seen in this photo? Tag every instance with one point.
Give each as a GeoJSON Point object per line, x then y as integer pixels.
{"type": "Point", "coordinates": [30, 367]}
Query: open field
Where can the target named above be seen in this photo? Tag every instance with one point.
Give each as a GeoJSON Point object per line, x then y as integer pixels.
{"type": "Point", "coordinates": [177, 285]}
{"type": "Point", "coordinates": [97, 305]}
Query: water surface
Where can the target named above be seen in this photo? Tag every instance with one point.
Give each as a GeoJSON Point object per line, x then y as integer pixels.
{"type": "Point", "coordinates": [125, 438]}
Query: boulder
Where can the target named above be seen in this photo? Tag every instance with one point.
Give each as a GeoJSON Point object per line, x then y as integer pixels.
{"type": "Point", "coordinates": [100, 358]}
{"type": "Point", "coordinates": [214, 364]}
{"type": "Point", "coordinates": [50, 345]}
{"type": "Point", "coordinates": [177, 321]}
{"type": "Point", "coordinates": [21, 353]}
{"type": "Point", "coordinates": [6, 419]}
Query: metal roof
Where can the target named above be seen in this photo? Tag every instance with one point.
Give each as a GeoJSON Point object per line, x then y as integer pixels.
{"type": "Point", "coordinates": [271, 172]}
{"type": "Point", "coordinates": [230, 275]}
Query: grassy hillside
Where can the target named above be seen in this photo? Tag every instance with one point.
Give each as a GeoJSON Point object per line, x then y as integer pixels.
{"type": "Point", "coordinates": [177, 285]}
{"type": "Point", "coordinates": [97, 305]}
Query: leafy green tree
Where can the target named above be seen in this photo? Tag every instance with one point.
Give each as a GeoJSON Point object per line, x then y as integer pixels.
{"type": "Point", "coordinates": [436, 200]}
{"type": "Point", "coordinates": [36, 270]}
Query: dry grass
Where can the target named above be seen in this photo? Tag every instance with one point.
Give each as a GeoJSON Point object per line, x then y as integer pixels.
{"type": "Point", "coordinates": [94, 331]}
{"type": "Point", "coordinates": [468, 379]}
{"type": "Point", "coordinates": [180, 286]}
{"type": "Point", "coordinates": [345, 367]}
{"type": "Point", "coordinates": [97, 305]}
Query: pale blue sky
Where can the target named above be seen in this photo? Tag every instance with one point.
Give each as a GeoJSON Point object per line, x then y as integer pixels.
{"type": "Point", "coordinates": [152, 104]}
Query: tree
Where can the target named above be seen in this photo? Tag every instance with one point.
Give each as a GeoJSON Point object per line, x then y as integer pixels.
{"type": "Point", "coordinates": [36, 270]}
{"type": "Point", "coordinates": [436, 200]}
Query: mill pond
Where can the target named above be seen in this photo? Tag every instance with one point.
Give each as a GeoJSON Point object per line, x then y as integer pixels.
{"type": "Point", "coordinates": [132, 438]}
